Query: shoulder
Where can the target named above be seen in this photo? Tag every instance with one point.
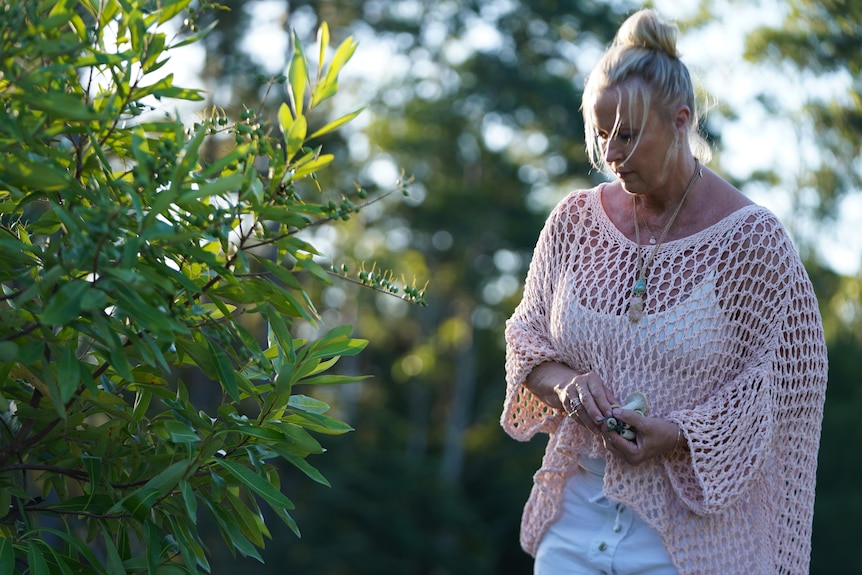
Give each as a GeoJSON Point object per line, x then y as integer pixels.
{"type": "Point", "coordinates": [577, 205]}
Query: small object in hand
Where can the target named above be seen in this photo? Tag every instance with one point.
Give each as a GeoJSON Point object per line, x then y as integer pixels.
{"type": "Point", "coordinates": [634, 402]}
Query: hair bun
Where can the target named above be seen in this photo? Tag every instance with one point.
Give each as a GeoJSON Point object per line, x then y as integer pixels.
{"type": "Point", "coordinates": [646, 29]}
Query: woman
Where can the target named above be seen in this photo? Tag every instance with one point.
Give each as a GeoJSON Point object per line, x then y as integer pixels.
{"type": "Point", "coordinates": [669, 282]}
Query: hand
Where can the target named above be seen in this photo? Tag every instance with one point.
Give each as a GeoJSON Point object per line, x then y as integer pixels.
{"type": "Point", "coordinates": [653, 437]}
{"type": "Point", "coordinates": [587, 399]}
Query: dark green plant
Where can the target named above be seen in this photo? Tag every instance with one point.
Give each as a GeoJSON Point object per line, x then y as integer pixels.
{"type": "Point", "coordinates": [133, 263]}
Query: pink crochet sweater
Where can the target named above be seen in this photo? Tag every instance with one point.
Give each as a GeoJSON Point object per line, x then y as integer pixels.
{"type": "Point", "coordinates": [731, 349]}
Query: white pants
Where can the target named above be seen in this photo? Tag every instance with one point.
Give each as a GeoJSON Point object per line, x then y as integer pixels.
{"type": "Point", "coordinates": [597, 536]}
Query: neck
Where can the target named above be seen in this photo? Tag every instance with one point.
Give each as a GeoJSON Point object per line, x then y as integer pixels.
{"type": "Point", "coordinates": [659, 205]}
{"type": "Point", "coordinates": [664, 199]}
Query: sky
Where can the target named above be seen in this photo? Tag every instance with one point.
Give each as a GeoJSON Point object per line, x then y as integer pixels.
{"type": "Point", "coordinates": [754, 141]}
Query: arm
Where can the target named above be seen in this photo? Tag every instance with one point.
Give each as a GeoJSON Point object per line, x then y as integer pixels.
{"type": "Point", "coordinates": [750, 431]}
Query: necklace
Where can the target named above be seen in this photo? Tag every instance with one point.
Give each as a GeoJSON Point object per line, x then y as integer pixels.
{"type": "Point", "coordinates": [651, 233]}
{"type": "Point", "coordinates": [636, 302]}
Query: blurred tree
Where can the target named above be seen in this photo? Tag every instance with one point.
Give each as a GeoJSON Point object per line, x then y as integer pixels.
{"type": "Point", "coordinates": [821, 43]}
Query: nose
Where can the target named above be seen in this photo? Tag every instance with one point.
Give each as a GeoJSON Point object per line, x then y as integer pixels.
{"type": "Point", "coordinates": [614, 152]}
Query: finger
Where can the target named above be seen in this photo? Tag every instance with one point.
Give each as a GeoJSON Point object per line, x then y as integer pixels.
{"type": "Point", "coordinates": [633, 418]}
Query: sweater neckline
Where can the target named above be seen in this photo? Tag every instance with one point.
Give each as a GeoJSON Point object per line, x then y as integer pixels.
{"type": "Point", "coordinates": [721, 225]}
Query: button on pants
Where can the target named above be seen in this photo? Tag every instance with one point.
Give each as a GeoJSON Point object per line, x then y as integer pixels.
{"type": "Point", "coordinates": [597, 536]}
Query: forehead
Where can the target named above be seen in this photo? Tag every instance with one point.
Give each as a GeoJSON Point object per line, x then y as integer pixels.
{"type": "Point", "coordinates": [617, 107]}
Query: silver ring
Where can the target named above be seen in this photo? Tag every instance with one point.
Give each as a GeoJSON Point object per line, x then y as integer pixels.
{"type": "Point", "coordinates": [574, 404]}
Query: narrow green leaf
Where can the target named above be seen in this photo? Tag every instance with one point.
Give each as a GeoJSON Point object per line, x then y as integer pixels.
{"type": "Point", "coordinates": [140, 501]}
{"type": "Point", "coordinates": [35, 559]}
{"type": "Point", "coordinates": [60, 105]}
{"type": "Point", "coordinates": [230, 532]}
{"type": "Point", "coordinates": [8, 351]}
{"type": "Point", "coordinates": [65, 305]}
{"type": "Point", "coordinates": [275, 498]}
{"type": "Point", "coordinates": [152, 547]}
{"type": "Point", "coordinates": [295, 137]}
{"type": "Point", "coordinates": [311, 167]}
{"type": "Point", "coordinates": [190, 544]}
{"type": "Point", "coordinates": [335, 124]}
{"type": "Point", "coordinates": [114, 563]}
{"type": "Point", "coordinates": [32, 176]}
{"type": "Point", "coordinates": [189, 500]}
{"type": "Point", "coordinates": [285, 119]}
{"type": "Point", "coordinates": [76, 545]}
{"type": "Point", "coordinates": [297, 77]}
{"type": "Point", "coordinates": [323, 45]}
{"type": "Point", "coordinates": [333, 379]}
{"type": "Point", "coordinates": [217, 187]}
{"type": "Point", "coordinates": [7, 555]}
{"type": "Point", "coordinates": [319, 423]}
{"type": "Point", "coordinates": [303, 466]}
{"type": "Point", "coordinates": [250, 523]}
{"type": "Point", "coordinates": [170, 8]}
{"type": "Point", "coordinates": [306, 262]}
{"type": "Point", "coordinates": [68, 370]}
{"type": "Point", "coordinates": [307, 404]}
{"type": "Point", "coordinates": [224, 370]}
{"type": "Point", "coordinates": [180, 432]}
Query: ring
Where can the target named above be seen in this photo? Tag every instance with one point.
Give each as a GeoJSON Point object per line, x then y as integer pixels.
{"type": "Point", "coordinates": [574, 404]}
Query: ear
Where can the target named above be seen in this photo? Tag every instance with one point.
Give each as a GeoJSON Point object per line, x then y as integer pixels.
{"type": "Point", "coordinates": [681, 117]}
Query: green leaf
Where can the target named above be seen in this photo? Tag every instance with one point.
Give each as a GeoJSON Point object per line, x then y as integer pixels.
{"type": "Point", "coordinates": [68, 370]}
{"type": "Point", "coordinates": [217, 187]}
{"type": "Point", "coordinates": [224, 370]}
{"type": "Point", "coordinates": [297, 77]}
{"type": "Point", "coordinates": [335, 124]}
{"type": "Point", "coordinates": [36, 559]}
{"type": "Point", "coordinates": [140, 501]}
{"type": "Point", "coordinates": [65, 305]}
{"type": "Point", "coordinates": [189, 500]}
{"type": "Point", "coordinates": [180, 432]}
{"type": "Point", "coordinates": [63, 106]}
{"type": "Point", "coordinates": [323, 43]}
{"type": "Point", "coordinates": [32, 176]}
{"type": "Point", "coordinates": [309, 167]}
{"type": "Point", "coordinates": [8, 351]}
{"type": "Point", "coordinates": [250, 523]}
{"type": "Point", "coordinates": [336, 342]}
{"type": "Point", "coordinates": [7, 555]}
{"type": "Point", "coordinates": [307, 404]}
{"type": "Point", "coordinates": [275, 498]}
{"type": "Point", "coordinates": [306, 262]}
{"type": "Point", "coordinates": [189, 542]}
{"type": "Point", "coordinates": [333, 379]}
{"type": "Point", "coordinates": [319, 423]}
{"type": "Point", "coordinates": [114, 563]}
{"type": "Point", "coordinates": [295, 137]}
{"type": "Point", "coordinates": [230, 532]}
{"type": "Point", "coordinates": [303, 466]}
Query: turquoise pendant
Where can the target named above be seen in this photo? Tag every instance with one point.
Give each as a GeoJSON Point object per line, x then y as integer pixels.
{"type": "Point", "coordinates": [640, 287]}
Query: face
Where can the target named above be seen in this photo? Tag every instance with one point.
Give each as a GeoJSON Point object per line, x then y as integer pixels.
{"type": "Point", "coordinates": [636, 148]}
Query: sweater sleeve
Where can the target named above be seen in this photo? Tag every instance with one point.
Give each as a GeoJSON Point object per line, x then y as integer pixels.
{"type": "Point", "coordinates": [752, 427]}
{"type": "Point", "coordinates": [528, 340]}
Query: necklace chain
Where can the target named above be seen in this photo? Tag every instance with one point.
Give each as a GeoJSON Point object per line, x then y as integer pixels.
{"type": "Point", "coordinates": [636, 303]}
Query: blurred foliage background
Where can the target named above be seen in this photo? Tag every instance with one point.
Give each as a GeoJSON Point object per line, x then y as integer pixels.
{"type": "Point", "coordinates": [478, 101]}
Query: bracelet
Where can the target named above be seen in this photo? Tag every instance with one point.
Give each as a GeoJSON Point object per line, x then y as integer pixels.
{"type": "Point", "coordinates": [678, 437]}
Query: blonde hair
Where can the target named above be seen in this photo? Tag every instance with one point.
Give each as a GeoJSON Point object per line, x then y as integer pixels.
{"type": "Point", "coordinates": [644, 62]}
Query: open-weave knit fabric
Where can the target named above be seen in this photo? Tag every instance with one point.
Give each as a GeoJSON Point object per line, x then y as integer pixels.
{"type": "Point", "coordinates": [731, 349]}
